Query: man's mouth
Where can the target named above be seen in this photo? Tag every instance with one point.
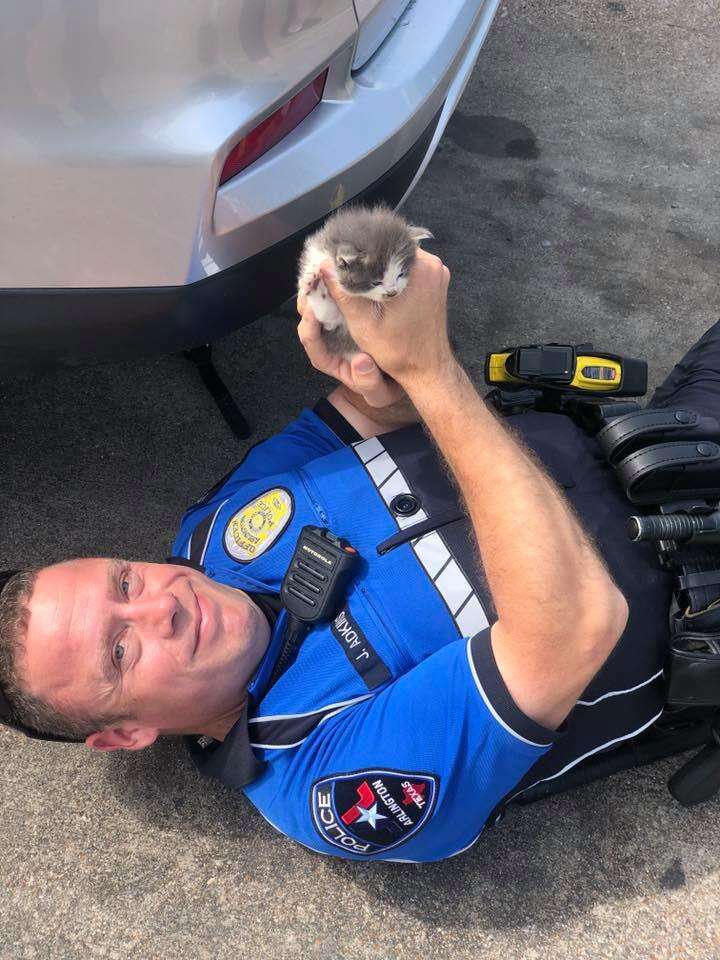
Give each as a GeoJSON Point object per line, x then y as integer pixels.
{"type": "Point", "coordinates": [202, 622]}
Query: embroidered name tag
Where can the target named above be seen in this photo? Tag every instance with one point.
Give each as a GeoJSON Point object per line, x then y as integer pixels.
{"type": "Point", "coordinates": [358, 650]}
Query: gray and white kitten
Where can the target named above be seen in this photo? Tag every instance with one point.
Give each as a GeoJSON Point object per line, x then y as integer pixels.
{"type": "Point", "coordinates": [373, 251]}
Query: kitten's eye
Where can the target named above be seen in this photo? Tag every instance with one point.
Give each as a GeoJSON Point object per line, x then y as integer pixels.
{"type": "Point", "coordinates": [402, 275]}
{"type": "Point", "coordinates": [378, 283]}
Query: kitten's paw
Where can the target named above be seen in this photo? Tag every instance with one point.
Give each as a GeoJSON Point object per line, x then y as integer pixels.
{"type": "Point", "coordinates": [324, 307]}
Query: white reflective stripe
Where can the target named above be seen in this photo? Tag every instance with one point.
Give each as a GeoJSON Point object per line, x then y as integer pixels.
{"type": "Point", "coordinates": [367, 449]}
{"type": "Point", "coordinates": [278, 746]}
{"type": "Point", "coordinates": [432, 553]}
{"type": "Point", "coordinates": [381, 467]}
{"type": "Point", "coordinates": [309, 713]}
{"type": "Point", "coordinates": [430, 549]}
{"type": "Point", "coordinates": [620, 693]}
{"type": "Point", "coordinates": [603, 746]}
{"type": "Point", "coordinates": [333, 713]}
{"type": "Point", "coordinates": [418, 517]}
{"type": "Point", "coordinates": [212, 524]}
{"type": "Point", "coordinates": [492, 709]}
{"type": "Point", "coordinates": [453, 587]}
{"type": "Point", "coordinates": [472, 618]}
{"type": "Point", "coordinates": [392, 487]}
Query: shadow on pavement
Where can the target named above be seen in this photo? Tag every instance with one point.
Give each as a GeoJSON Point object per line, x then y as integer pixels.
{"type": "Point", "coordinates": [543, 866]}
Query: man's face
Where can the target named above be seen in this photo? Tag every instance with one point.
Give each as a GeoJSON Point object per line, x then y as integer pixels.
{"type": "Point", "coordinates": [160, 643]}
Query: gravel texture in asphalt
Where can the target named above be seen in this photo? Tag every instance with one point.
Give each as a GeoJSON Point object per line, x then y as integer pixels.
{"type": "Point", "coordinates": [574, 196]}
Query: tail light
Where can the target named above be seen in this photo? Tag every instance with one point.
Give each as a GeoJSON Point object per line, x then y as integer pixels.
{"type": "Point", "coordinates": [272, 130]}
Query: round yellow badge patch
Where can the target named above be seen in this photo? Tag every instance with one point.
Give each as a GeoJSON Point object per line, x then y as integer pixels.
{"type": "Point", "coordinates": [255, 528]}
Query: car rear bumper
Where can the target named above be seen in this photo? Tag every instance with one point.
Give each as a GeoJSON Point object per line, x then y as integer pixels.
{"type": "Point", "coordinates": [372, 145]}
{"type": "Point", "coordinates": [72, 326]}
{"type": "Point", "coordinates": [362, 127]}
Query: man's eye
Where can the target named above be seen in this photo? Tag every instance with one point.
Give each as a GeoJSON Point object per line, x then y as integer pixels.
{"type": "Point", "coordinates": [124, 586]}
{"type": "Point", "coordinates": [118, 652]}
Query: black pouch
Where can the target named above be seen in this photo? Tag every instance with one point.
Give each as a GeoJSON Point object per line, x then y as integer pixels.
{"type": "Point", "coordinates": [686, 470]}
{"type": "Point", "coordinates": [693, 670]}
{"type": "Point", "coordinates": [627, 434]}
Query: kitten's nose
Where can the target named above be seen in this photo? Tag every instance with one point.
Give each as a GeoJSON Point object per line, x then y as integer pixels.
{"type": "Point", "coordinates": [391, 293]}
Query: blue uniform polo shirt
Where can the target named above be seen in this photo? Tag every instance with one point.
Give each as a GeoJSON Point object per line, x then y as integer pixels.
{"type": "Point", "coordinates": [392, 735]}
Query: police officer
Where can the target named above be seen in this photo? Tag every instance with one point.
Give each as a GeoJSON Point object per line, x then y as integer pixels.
{"type": "Point", "coordinates": [474, 653]}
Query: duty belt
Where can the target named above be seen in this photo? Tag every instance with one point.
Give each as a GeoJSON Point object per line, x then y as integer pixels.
{"type": "Point", "coordinates": [668, 460]}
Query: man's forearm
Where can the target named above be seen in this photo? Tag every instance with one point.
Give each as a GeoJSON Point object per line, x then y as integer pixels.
{"type": "Point", "coordinates": [543, 573]}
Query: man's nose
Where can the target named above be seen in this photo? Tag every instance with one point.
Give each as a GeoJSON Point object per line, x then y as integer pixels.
{"type": "Point", "coordinates": [155, 614]}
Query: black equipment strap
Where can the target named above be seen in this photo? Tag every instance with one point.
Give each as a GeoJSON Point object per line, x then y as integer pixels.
{"type": "Point", "coordinates": [683, 470]}
{"type": "Point", "coordinates": [691, 581]}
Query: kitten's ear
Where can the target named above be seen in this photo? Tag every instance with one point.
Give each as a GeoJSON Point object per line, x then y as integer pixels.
{"type": "Point", "coordinates": [420, 233]}
{"type": "Point", "coordinates": [346, 254]}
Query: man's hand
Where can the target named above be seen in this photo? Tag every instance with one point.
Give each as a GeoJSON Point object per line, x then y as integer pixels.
{"type": "Point", "coordinates": [406, 336]}
{"type": "Point", "coordinates": [360, 375]}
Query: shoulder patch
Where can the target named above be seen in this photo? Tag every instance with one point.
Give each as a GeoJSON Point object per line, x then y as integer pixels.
{"type": "Point", "coordinates": [371, 811]}
{"type": "Point", "coordinates": [256, 526]}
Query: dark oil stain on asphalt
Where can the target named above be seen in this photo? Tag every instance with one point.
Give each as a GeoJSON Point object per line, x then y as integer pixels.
{"type": "Point", "coordinates": [674, 876]}
{"type": "Point", "coordinates": [493, 136]}
{"type": "Point", "coordinates": [532, 187]}
{"type": "Point", "coordinates": [526, 149]}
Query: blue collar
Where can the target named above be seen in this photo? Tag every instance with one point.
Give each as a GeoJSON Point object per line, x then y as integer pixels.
{"type": "Point", "coordinates": [233, 760]}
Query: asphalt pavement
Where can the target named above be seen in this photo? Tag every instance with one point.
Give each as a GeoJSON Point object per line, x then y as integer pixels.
{"type": "Point", "coordinates": [574, 196]}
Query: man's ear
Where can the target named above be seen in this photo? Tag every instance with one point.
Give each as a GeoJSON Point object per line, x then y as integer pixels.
{"type": "Point", "coordinates": [122, 738]}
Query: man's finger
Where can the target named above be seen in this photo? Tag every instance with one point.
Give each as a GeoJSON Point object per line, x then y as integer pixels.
{"type": "Point", "coordinates": [309, 329]}
{"type": "Point", "coordinates": [369, 381]}
{"type": "Point", "coordinates": [310, 335]}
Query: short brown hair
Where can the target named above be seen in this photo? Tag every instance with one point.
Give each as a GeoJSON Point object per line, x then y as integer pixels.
{"type": "Point", "coordinates": [31, 711]}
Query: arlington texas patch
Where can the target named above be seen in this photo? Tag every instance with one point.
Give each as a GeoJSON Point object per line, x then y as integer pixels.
{"type": "Point", "coordinates": [369, 811]}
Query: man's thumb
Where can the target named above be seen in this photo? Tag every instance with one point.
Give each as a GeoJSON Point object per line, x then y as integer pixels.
{"type": "Point", "coordinates": [364, 365]}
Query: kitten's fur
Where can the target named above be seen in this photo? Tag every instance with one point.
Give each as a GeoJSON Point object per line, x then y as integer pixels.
{"type": "Point", "coordinates": [372, 250]}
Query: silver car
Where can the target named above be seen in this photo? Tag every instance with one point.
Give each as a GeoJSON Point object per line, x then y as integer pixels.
{"type": "Point", "coordinates": [161, 161]}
